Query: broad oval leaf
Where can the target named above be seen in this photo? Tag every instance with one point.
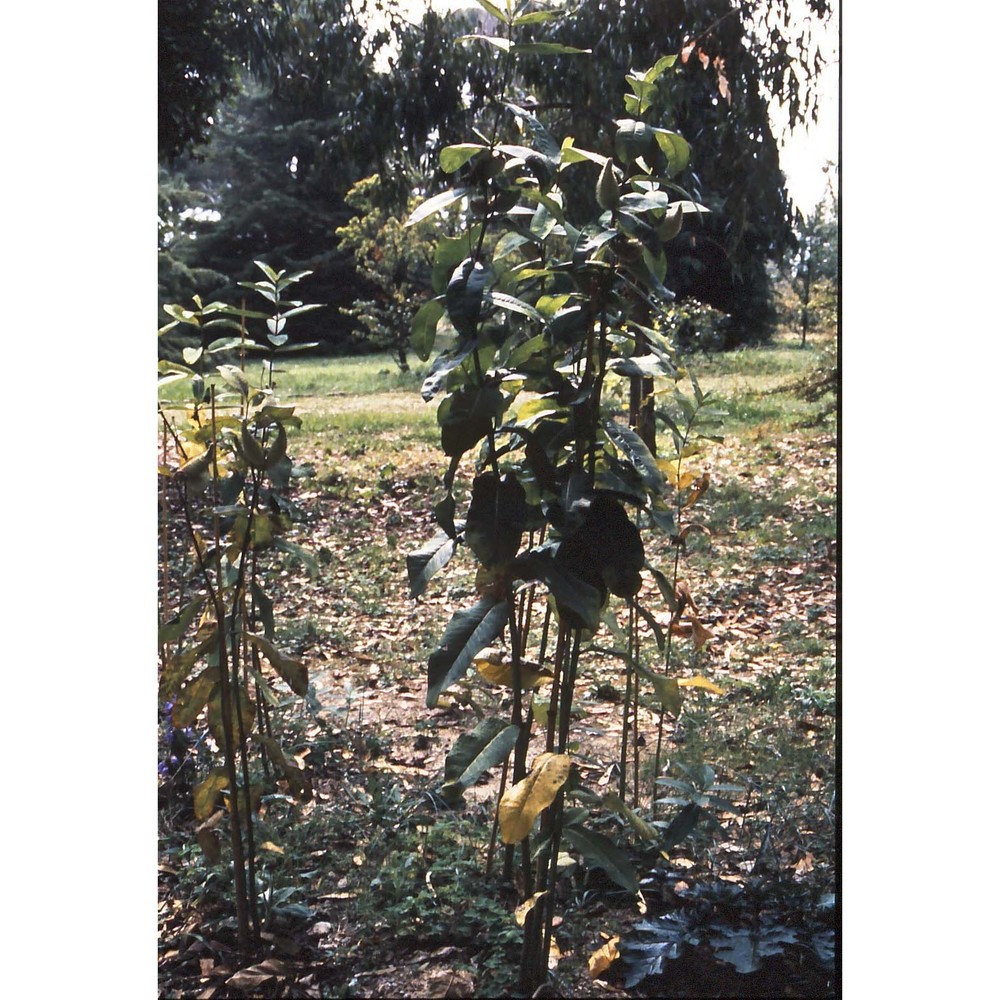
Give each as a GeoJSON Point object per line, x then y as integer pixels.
{"type": "Point", "coordinates": [467, 633]}
{"type": "Point", "coordinates": [454, 157]}
{"type": "Point", "coordinates": [488, 745]}
{"type": "Point", "coordinates": [603, 853]}
{"type": "Point", "coordinates": [522, 803]}
{"type": "Point", "coordinates": [436, 204]}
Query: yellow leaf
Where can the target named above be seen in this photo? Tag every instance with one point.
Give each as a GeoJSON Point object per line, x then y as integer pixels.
{"type": "Point", "coordinates": [493, 669]}
{"type": "Point", "coordinates": [269, 845]}
{"type": "Point", "coordinates": [522, 803]}
{"type": "Point", "coordinates": [521, 913]}
{"type": "Point", "coordinates": [601, 959]}
{"type": "Point", "coordinates": [700, 682]}
{"type": "Point", "coordinates": [671, 468]}
{"type": "Point", "coordinates": [206, 792]}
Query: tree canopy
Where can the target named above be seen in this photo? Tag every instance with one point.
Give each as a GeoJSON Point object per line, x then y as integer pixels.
{"type": "Point", "coordinates": [288, 103]}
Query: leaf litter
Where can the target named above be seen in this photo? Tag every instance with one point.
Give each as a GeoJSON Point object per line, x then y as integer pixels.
{"type": "Point", "coordinates": [765, 584]}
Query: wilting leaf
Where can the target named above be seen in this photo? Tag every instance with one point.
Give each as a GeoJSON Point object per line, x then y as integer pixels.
{"type": "Point", "coordinates": [205, 794]}
{"type": "Point", "coordinates": [297, 778]}
{"type": "Point", "coordinates": [523, 909]}
{"type": "Point", "coordinates": [700, 682]}
{"type": "Point", "coordinates": [645, 830]}
{"type": "Point", "coordinates": [601, 959]}
{"type": "Point", "coordinates": [209, 842]}
{"type": "Point", "coordinates": [467, 633]}
{"type": "Point", "coordinates": [291, 670]}
{"type": "Point", "coordinates": [174, 628]}
{"type": "Point", "coordinates": [522, 803]}
{"type": "Point", "coordinates": [667, 689]}
{"type": "Point", "coordinates": [489, 744]}
{"type": "Point", "coordinates": [603, 853]}
{"type": "Point", "coordinates": [193, 698]}
{"type": "Point", "coordinates": [503, 673]}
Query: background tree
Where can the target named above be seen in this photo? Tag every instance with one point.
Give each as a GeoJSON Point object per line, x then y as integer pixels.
{"type": "Point", "coordinates": [738, 57]}
{"type": "Point", "coordinates": [309, 119]}
{"type": "Point", "coordinates": [812, 266]}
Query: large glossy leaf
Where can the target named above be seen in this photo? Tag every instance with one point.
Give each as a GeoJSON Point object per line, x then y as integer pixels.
{"type": "Point", "coordinates": [423, 329]}
{"type": "Point", "coordinates": [488, 745]}
{"type": "Point", "coordinates": [454, 157]}
{"type": "Point", "coordinates": [681, 825]}
{"type": "Point", "coordinates": [423, 564]}
{"type": "Point", "coordinates": [634, 449]}
{"type": "Point", "coordinates": [436, 204]}
{"type": "Point", "coordinates": [603, 853]}
{"type": "Point", "coordinates": [468, 633]}
{"type": "Point", "coordinates": [496, 519]}
{"type": "Point", "coordinates": [522, 803]}
{"type": "Point", "coordinates": [578, 602]}
{"type": "Point", "coordinates": [464, 295]}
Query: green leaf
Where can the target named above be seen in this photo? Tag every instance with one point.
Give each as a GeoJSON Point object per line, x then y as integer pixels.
{"type": "Point", "coordinates": [681, 825]}
{"type": "Point", "coordinates": [546, 49]}
{"type": "Point", "coordinates": [467, 633]}
{"type": "Point", "coordinates": [493, 9]}
{"type": "Point", "coordinates": [634, 449]}
{"type": "Point", "coordinates": [543, 139]}
{"type": "Point", "coordinates": [603, 853]}
{"type": "Point", "coordinates": [423, 329]}
{"type": "Point", "coordinates": [496, 519]}
{"type": "Point", "coordinates": [608, 194]}
{"type": "Point", "coordinates": [577, 601]}
{"type": "Point", "coordinates": [232, 376]}
{"type": "Point", "coordinates": [644, 366]}
{"type": "Point", "coordinates": [489, 744]}
{"type": "Point", "coordinates": [272, 275]}
{"type": "Point", "coordinates": [504, 301]}
{"type": "Point", "coordinates": [674, 148]}
{"type": "Point", "coordinates": [436, 204]}
{"type": "Point", "coordinates": [455, 157]}
{"type": "Point", "coordinates": [423, 564]}
{"type": "Point", "coordinates": [464, 295]}
{"type": "Point", "coordinates": [537, 17]}
{"type": "Point", "coordinates": [174, 628]}
{"type": "Point", "coordinates": [500, 43]}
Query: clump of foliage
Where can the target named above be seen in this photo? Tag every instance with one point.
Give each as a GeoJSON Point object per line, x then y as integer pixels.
{"type": "Point", "coordinates": [395, 261]}
{"type": "Point", "coordinates": [224, 469]}
{"type": "Point", "coordinates": [545, 323]}
{"type": "Point", "coordinates": [812, 268]}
